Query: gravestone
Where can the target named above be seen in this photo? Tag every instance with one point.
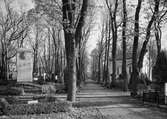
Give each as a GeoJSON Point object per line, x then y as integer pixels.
{"type": "Point", "coordinates": [24, 65]}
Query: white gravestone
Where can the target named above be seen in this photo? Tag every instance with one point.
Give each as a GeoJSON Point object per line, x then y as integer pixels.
{"type": "Point", "coordinates": [24, 65]}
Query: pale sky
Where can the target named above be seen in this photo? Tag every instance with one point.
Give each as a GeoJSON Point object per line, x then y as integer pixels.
{"type": "Point", "coordinates": [95, 33]}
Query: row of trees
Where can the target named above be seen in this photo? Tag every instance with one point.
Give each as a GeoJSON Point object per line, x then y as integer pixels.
{"type": "Point", "coordinates": [13, 31]}
{"type": "Point", "coordinates": [56, 32]}
{"type": "Point", "coordinates": [70, 16]}
{"type": "Point", "coordinates": [125, 29]}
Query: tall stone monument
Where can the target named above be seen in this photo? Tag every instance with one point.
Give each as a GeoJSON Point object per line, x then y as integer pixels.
{"type": "Point", "coordinates": [24, 65]}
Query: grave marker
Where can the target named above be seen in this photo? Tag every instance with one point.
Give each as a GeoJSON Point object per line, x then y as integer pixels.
{"type": "Point", "coordinates": [24, 65]}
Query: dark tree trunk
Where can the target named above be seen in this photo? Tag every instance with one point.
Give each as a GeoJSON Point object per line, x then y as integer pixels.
{"type": "Point", "coordinates": [108, 51]}
{"type": "Point", "coordinates": [124, 72]}
{"type": "Point", "coordinates": [78, 64]}
{"type": "Point", "coordinates": [105, 64]}
{"type": "Point", "coordinates": [114, 43]}
{"type": "Point", "coordinates": [71, 65]}
{"type": "Point", "coordinates": [72, 39]}
{"type": "Point", "coordinates": [158, 40]}
{"type": "Point", "coordinates": [158, 32]}
{"type": "Point", "coordinates": [113, 63]}
{"type": "Point", "coordinates": [68, 18]}
{"type": "Point", "coordinates": [78, 35]}
{"type": "Point", "coordinates": [4, 66]}
{"type": "Point", "coordinates": [99, 68]}
{"type": "Point", "coordinates": [104, 68]}
{"type": "Point", "coordinates": [148, 30]}
{"type": "Point", "coordinates": [35, 53]}
{"type": "Point", "coordinates": [134, 75]}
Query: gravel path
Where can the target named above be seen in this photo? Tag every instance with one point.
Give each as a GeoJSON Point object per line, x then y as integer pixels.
{"type": "Point", "coordinates": [120, 105]}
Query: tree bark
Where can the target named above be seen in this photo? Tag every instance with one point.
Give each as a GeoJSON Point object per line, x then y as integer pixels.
{"type": "Point", "coordinates": [105, 58]}
{"type": "Point", "coordinates": [124, 72]}
{"type": "Point", "coordinates": [108, 51]}
{"type": "Point", "coordinates": [105, 65]}
{"type": "Point", "coordinates": [114, 43]}
{"type": "Point", "coordinates": [133, 79]}
{"type": "Point", "coordinates": [158, 40]}
{"type": "Point", "coordinates": [36, 51]}
{"type": "Point", "coordinates": [158, 32]}
{"type": "Point", "coordinates": [72, 40]}
{"type": "Point", "coordinates": [148, 30]}
{"type": "Point", "coordinates": [99, 68]}
{"type": "Point", "coordinates": [71, 54]}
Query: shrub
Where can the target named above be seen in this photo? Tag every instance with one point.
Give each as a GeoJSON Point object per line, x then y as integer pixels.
{"type": "Point", "coordinates": [3, 105]}
{"type": "Point", "coordinates": [48, 89]}
{"type": "Point", "coordinates": [91, 104]}
{"type": "Point", "coordinates": [3, 82]}
{"type": "Point", "coordinates": [46, 99]}
{"type": "Point", "coordinates": [11, 99]}
{"type": "Point", "coordinates": [10, 91]}
{"type": "Point", "coordinates": [39, 108]}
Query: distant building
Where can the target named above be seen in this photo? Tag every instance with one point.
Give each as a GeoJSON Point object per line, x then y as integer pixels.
{"type": "Point", "coordinates": [119, 65]}
{"type": "Point", "coordinates": [146, 65]}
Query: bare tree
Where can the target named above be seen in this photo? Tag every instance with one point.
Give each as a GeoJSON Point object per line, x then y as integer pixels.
{"type": "Point", "coordinates": [133, 79]}
{"type": "Point", "coordinates": [148, 31]}
{"type": "Point", "coordinates": [100, 52]}
{"type": "Point", "coordinates": [138, 65]}
{"type": "Point", "coordinates": [124, 72]}
{"type": "Point", "coordinates": [160, 20]}
{"type": "Point", "coordinates": [82, 58]}
{"type": "Point", "coordinates": [72, 40]}
{"type": "Point", "coordinates": [114, 27]}
{"type": "Point", "coordinates": [13, 31]}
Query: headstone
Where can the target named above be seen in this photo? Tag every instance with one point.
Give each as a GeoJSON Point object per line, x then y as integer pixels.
{"type": "Point", "coordinates": [35, 79]}
{"type": "Point", "coordinates": [24, 65]}
{"type": "Point", "coordinates": [32, 102]}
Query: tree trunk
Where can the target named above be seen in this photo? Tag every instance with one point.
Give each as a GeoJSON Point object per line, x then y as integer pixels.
{"type": "Point", "coordinates": [4, 66]}
{"type": "Point", "coordinates": [113, 65]}
{"type": "Point", "coordinates": [78, 67]}
{"type": "Point", "coordinates": [105, 64]}
{"type": "Point", "coordinates": [158, 32]}
{"type": "Point", "coordinates": [99, 68]}
{"type": "Point", "coordinates": [71, 66]}
{"type": "Point", "coordinates": [148, 30]}
{"type": "Point", "coordinates": [104, 69]}
{"type": "Point", "coordinates": [124, 72]}
{"type": "Point", "coordinates": [158, 40]}
{"type": "Point", "coordinates": [68, 18]}
{"type": "Point", "coordinates": [114, 43]}
{"type": "Point", "coordinates": [133, 79]}
{"type": "Point", "coordinates": [108, 51]}
{"type": "Point", "coordinates": [36, 52]}
{"type": "Point", "coordinates": [72, 33]}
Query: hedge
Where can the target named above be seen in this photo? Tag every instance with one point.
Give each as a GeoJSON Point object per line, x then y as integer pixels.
{"type": "Point", "coordinates": [10, 91]}
{"type": "Point", "coordinates": [44, 99]}
{"type": "Point", "coordinates": [3, 104]}
{"type": "Point", "coordinates": [39, 108]}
